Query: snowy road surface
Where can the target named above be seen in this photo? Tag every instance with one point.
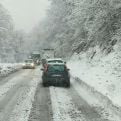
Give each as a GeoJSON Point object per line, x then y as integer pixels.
{"type": "Point", "coordinates": [23, 98]}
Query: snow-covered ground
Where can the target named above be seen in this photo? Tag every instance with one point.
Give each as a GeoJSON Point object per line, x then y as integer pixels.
{"type": "Point", "coordinates": [63, 107]}
{"type": "Point", "coordinates": [24, 103]}
{"type": "Point", "coordinates": [6, 68]}
{"type": "Point", "coordinates": [102, 72]}
{"type": "Point", "coordinates": [17, 95]}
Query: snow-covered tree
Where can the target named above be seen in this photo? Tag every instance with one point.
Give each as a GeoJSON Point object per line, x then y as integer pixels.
{"type": "Point", "coordinates": [76, 25]}
{"type": "Point", "coordinates": [6, 30]}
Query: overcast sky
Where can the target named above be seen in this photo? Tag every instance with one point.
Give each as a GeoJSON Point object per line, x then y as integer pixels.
{"type": "Point", "coordinates": [26, 13]}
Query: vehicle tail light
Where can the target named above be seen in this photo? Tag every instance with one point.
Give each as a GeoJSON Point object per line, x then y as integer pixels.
{"type": "Point", "coordinates": [32, 64]}
{"type": "Point", "coordinates": [45, 68]}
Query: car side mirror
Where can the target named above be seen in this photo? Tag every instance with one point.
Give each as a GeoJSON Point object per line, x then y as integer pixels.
{"type": "Point", "coordinates": [68, 69]}
{"type": "Point", "coordinates": [42, 69]}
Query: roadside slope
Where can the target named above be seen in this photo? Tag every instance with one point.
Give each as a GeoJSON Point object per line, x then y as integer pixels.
{"type": "Point", "coordinates": [102, 72]}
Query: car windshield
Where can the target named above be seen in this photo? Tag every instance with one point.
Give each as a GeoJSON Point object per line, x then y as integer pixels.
{"type": "Point", "coordinates": [56, 68]}
{"type": "Point", "coordinates": [28, 61]}
{"type": "Point", "coordinates": [55, 61]}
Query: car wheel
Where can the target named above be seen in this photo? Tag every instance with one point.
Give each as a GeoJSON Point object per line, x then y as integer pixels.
{"type": "Point", "coordinates": [45, 84]}
{"type": "Point", "coordinates": [67, 85]}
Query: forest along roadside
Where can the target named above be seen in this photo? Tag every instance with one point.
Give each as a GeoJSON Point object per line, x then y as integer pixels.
{"type": "Point", "coordinates": [17, 95]}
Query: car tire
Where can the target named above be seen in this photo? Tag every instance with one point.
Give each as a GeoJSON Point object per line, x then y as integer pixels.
{"type": "Point", "coordinates": [45, 84]}
{"type": "Point", "coordinates": [67, 85]}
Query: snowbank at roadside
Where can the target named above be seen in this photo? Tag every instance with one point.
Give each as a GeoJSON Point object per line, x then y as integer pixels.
{"type": "Point", "coordinates": [102, 72]}
{"type": "Point", "coordinates": [7, 68]}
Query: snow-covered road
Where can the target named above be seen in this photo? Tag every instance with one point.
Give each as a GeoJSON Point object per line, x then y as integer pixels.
{"type": "Point", "coordinates": [16, 96]}
{"type": "Point", "coordinates": [23, 98]}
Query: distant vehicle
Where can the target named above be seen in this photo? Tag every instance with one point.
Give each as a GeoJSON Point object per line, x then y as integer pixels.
{"type": "Point", "coordinates": [28, 64]}
{"type": "Point", "coordinates": [56, 74]}
{"type": "Point", "coordinates": [48, 53]}
{"type": "Point", "coordinates": [36, 57]}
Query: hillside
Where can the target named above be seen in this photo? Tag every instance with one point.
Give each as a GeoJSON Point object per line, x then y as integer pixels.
{"type": "Point", "coordinates": [102, 72]}
{"type": "Point", "coordinates": [74, 26]}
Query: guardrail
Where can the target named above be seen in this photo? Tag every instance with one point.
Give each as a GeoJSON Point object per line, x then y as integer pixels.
{"type": "Point", "coordinates": [107, 103]}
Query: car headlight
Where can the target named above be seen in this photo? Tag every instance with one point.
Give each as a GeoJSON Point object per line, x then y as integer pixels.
{"type": "Point", "coordinates": [23, 64]}
{"type": "Point", "coordinates": [32, 64]}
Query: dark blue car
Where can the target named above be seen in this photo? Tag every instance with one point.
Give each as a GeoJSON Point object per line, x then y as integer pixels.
{"type": "Point", "coordinates": [55, 74]}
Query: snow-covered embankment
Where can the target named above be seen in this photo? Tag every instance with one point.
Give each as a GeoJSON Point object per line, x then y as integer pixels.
{"type": "Point", "coordinates": [101, 74]}
{"type": "Point", "coordinates": [7, 68]}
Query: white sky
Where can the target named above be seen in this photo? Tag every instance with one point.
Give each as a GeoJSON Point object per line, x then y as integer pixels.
{"type": "Point", "coordinates": [26, 13]}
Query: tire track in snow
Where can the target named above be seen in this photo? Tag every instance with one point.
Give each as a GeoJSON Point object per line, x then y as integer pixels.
{"type": "Point", "coordinates": [63, 107]}
{"type": "Point", "coordinates": [8, 104]}
{"type": "Point", "coordinates": [11, 83]}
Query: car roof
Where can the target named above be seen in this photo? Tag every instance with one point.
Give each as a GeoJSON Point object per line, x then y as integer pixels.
{"type": "Point", "coordinates": [50, 59]}
{"type": "Point", "coordinates": [56, 64]}
{"type": "Point", "coordinates": [29, 59]}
